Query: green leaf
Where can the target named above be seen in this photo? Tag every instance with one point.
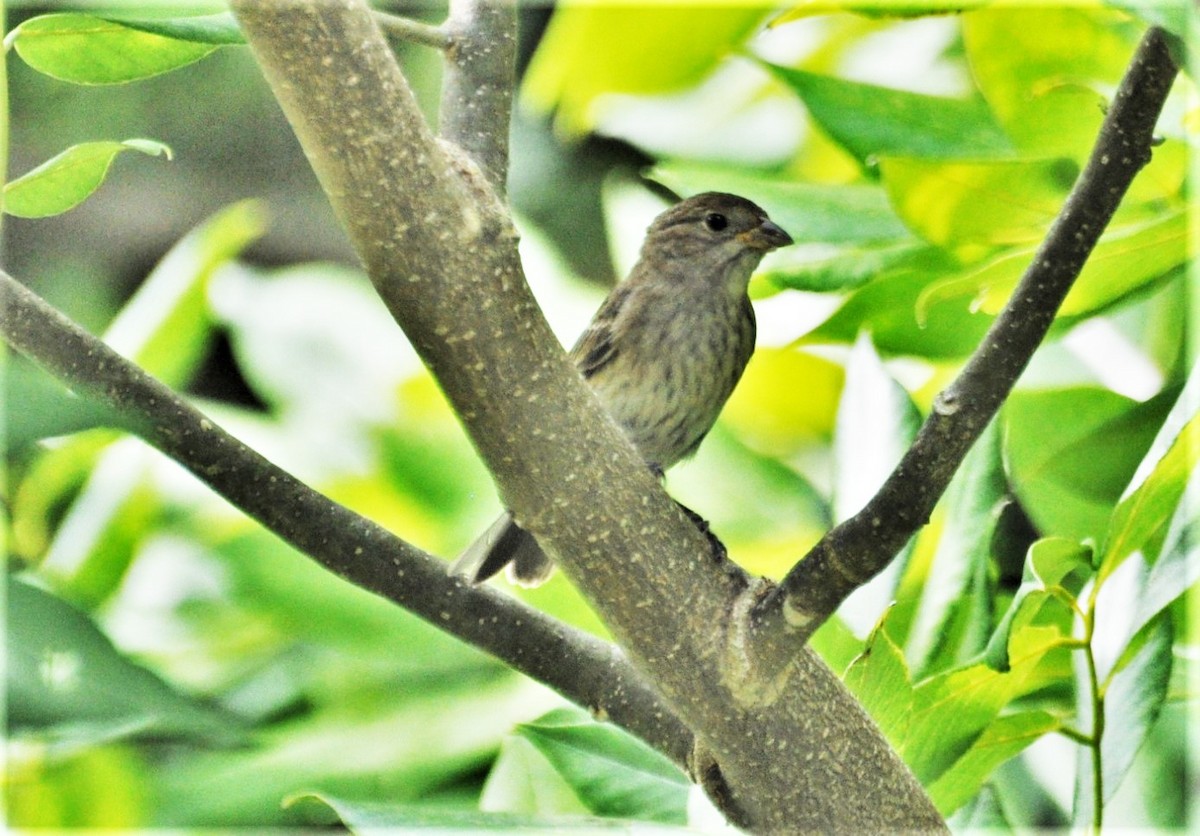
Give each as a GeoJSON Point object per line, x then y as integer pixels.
{"type": "Point", "coordinates": [851, 267]}
{"type": "Point", "coordinates": [849, 214]}
{"type": "Point", "coordinates": [1007, 737]}
{"type": "Point", "coordinates": [62, 670]}
{"type": "Point", "coordinates": [85, 49]}
{"type": "Point", "coordinates": [166, 325]}
{"type": "Point", "coordinates": [1054, 565]}
{"type": "Point", "coordinates": [947, 727]}
{"type": "Point", "coordinates": [67, 180]}
{"type": "Point", "coordinates": [1127, 260]}
{"type": "Point", "coordinates": [990, 203]}
{"type": "Point", "coordinates": [1069, 474]}
{"type": "Point", "coordinates": [1133, 699]}
{"type": "Point", "coordinates": [1157, 486]}
{"type": "Point", "coordinates": [589, 50]}
{"type": "Point", "coordinates": [368, 816]}
{"type": "Point", "coordinates": [871, 121]}
{"type": "Point", "coordinates": [611, 772]}
{"type": "Point", "coordinates": [877, 8]}
{"type": "Point", "coordinates": [1045, 71]}
{"type": "Point", "coordinates": [887, 308]}
{"type": "Point", "coordinates": [953, 615]}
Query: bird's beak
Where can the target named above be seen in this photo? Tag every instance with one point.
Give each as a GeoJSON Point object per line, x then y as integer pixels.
{"type": "Point", "coordinates": [768, 235]}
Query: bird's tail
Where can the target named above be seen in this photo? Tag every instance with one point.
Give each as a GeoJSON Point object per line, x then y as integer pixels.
{"type": "Point", "coordinates": [504, 544]}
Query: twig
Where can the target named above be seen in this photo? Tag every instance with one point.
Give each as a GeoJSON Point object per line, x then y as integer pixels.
{"type": "Point", "coordinates": [579, 666]}
{"type": "Point", "coordinates": [477, 85]}
{"type": "Point", "coordinates": [855, 551]}
{"type": "Point", "coordinates": [400, 28]}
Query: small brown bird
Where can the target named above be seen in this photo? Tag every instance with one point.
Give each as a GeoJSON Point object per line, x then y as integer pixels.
{"type": "Point", "coordinates": [663, 352]}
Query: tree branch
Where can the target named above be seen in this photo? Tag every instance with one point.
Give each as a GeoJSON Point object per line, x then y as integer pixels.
{"type": "Point", "coordinates": [579, 666]}
{"type": "Point", "coordinates": [477, 86]}
{"type": "Point", "coordinates": [437, 245]}
{"type": "Point", "coordinates": [855, 551]}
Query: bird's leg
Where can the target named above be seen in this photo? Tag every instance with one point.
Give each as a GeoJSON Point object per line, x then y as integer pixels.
{"type": "Point", "coordinates": [717, 548]}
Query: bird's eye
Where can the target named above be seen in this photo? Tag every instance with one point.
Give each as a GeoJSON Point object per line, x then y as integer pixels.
{"type": "Point", "coordinates": [715, 221]}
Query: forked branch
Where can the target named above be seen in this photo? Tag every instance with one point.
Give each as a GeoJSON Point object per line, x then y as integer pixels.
{"type": "Point", "coordinates": [858, 549]}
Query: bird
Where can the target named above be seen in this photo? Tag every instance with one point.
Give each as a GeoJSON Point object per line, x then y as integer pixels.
{"type": "Point", "coordinates": [663, 352]}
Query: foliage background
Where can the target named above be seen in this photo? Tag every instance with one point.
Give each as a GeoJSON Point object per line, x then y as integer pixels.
{"type": "Point", "coordinates": [171, 665]}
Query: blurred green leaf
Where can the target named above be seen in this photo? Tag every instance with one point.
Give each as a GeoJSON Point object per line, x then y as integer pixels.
{"type": "Point", "coordinates": [1157, 487]}
{"type": "Point", "coordinates": [68, 179]}
{"type": "Point", "coordinates": [952, 203]}
{"type": "Point", "coordinates": [38, 406]}
{"type": "Point", "coordinates": [1045, 71]}
{"type": "Point", "coordinates": [887, 308]}
{"type": "Point", "coordinates": [86, 49]}
{"type": "Point", "coordinates": [165, 326]}
{"type": "Point", "coordinates": [871, 121]}
{"type": "Point", "coordinates": [369, 816]}
{"type": "Point", "coordinates": [810, 213]}
{"type": "Point", "coordinates": [611, 773]}
{"type": "Point", "coordinates": [954, 612]}
{"type": "Point", "coordinates": [367, 745]}
{"type": "Point", "coordinates": [1133, 697]}
{"type": "Point", "coordinates": [1125, 261]}
{"type": "Point", "coordinates": [772, 412]}
{"type": "Point", "coordinates": [62, 670]}
{"type": "Point", "coordinates": [590, 50]}
{"type": "Point", "coordinates": [220, 29]}
{"type": "Point", "coordinates": [1071, 452]}
{"type": "Point", "coordinates": [877, 8]}
{"type": "Point", "coordinates": [851, 267]}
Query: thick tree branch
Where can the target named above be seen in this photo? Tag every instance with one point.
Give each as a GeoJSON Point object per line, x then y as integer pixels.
{"type": "Point", "coordinates": [477, 86]}
{"type": "Point", "coordinates": [437, 245]}
{"type": "Point", "coordinates": [579, 666]}
{"type": "Point", "coordinates": [855, 551]}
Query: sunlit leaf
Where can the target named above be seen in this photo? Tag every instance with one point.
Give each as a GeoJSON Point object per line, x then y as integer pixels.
{"type": "Point", "coordinates": [589, 50]}
{"type": "Point", "coordinates": [68, 179]}
{"type": "Point", "coordinates": [876, 8]}
{"type": "Point", "coordinates": [1157, 487]}
{"type": "Point", "coordinates": [872, 121]}
{"type": "Point", "coordinates": [787, 398]}
{"type": "Point", "coordinates": [1125, 261]}
{"type": "Point", "coordinates": [951, 203]}
{"type": "Point", "coordinates": [86, 49]}
{"type": "Point", "coordinates": [1045, 71]}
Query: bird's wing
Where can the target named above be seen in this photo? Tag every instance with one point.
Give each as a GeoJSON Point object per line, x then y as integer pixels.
{"type": "Point", "coordinates": [596, 348]}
